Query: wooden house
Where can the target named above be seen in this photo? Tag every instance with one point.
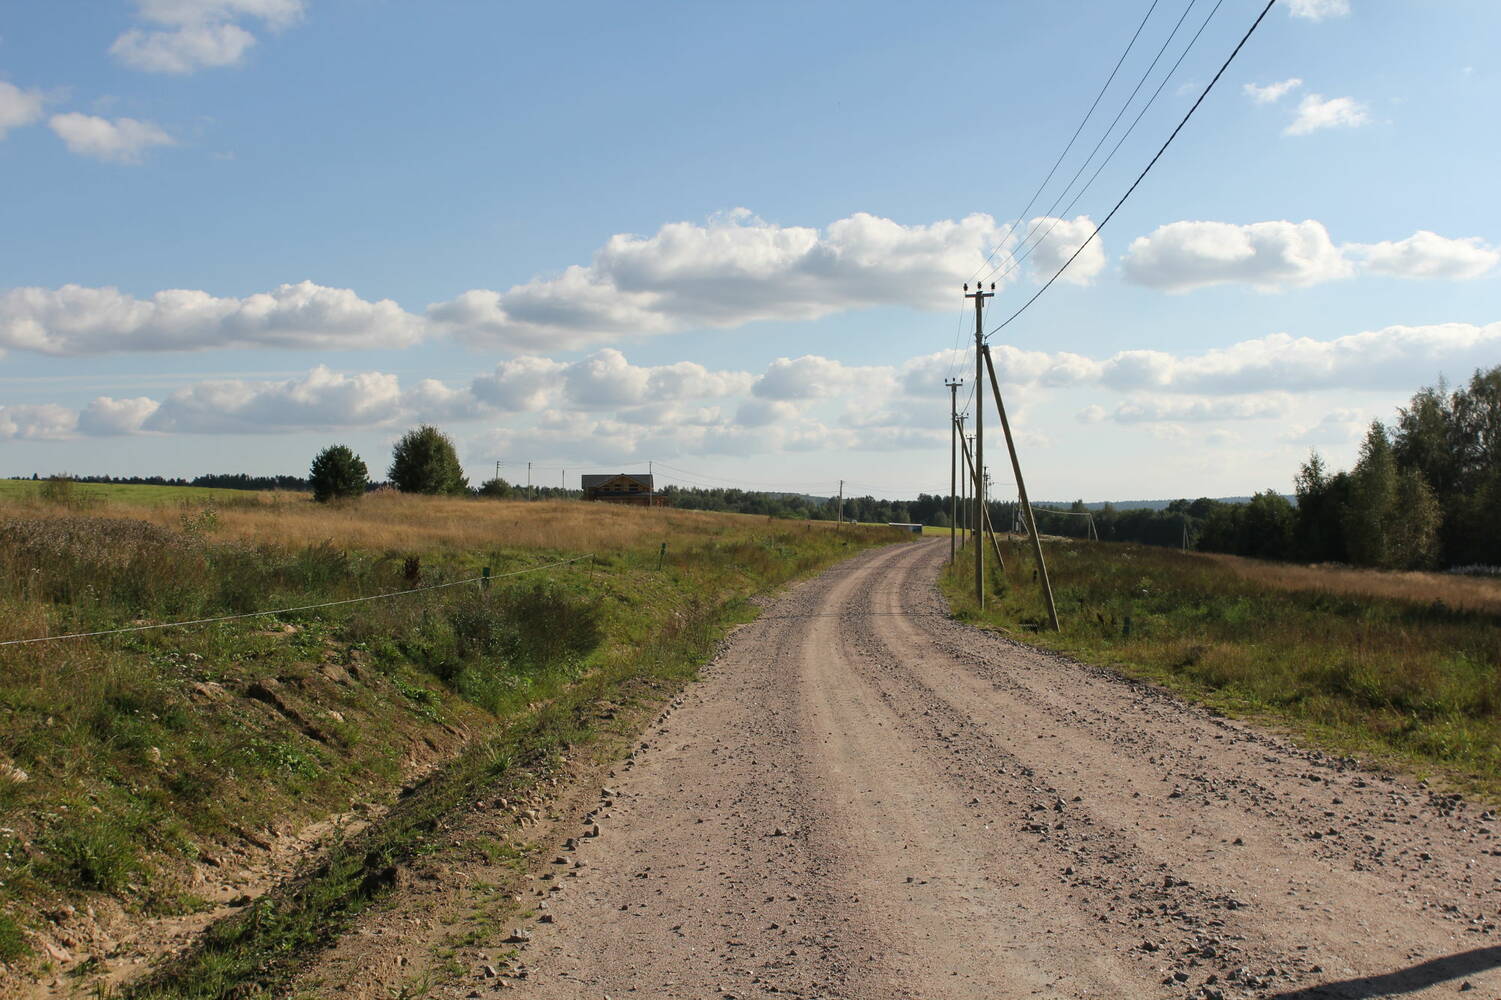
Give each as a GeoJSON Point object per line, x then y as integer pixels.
{"type": "Point", "coordinates": [623, 487]}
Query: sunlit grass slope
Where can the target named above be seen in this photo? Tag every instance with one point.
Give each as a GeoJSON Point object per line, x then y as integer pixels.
{"type": "Point", "coordinates": [127, 760]}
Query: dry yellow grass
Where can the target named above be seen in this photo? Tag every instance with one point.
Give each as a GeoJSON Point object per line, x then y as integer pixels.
{"type": "Point", "coordinates": [1470, 593]}
{"type": "Point", "coordinates": [410, 523]}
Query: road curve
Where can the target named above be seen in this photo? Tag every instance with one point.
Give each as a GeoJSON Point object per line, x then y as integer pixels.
{"type": "Point", "coordinates": [864, 798]}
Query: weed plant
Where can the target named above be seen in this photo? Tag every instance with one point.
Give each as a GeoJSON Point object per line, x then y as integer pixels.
{"type": "Point", "coordinates": [1362, 662]}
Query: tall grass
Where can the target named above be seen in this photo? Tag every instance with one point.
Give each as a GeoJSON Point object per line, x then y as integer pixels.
{"type": "Point", "coordinates": [1405, 667]}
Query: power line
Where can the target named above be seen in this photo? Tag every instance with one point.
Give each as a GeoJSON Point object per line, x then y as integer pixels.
{"type": "Point", "coordinates": [1052, 209]}
{"type": "Point", "coordinates": [1119, 142]}
{"type": "Point", "coordinates": [1056, 163]}
{"type": "Point", "coordinates": [1140, 177]}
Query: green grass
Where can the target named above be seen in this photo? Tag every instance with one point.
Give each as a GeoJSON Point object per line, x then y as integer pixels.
{"type": "Point", "coordinates": [22, 490]}
{"type": "Point", "coordinates": [1412, 683]}
{"type": "Point", "coordinates": [146, 750]}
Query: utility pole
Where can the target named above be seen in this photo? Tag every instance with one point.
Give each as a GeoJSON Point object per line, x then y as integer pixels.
{"type": "Point", "coordinates": [961, 520]}
{"type": "Point", "coordinates": [953, 386]}
{"type": "Point", "coordinates": [979, 295]}
{"type": "Point", "coordinates": [989, 526]}
{"type": "Point", "coordinates": [497, 468]}
{"type": "Point", "coordinates": [651, 493]}
{"type": "Point", "coordinates": [840, 523]}
{"type": "Point", "coordinates": [1021, 489]}
{"type": "Point", "coordinates": [529, 482]}
{"type": "Point", "coordinates": [969, 513]}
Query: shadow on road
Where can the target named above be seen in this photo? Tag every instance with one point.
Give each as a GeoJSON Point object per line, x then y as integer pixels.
{"type": "Point", "coordinates": [1406, 980]}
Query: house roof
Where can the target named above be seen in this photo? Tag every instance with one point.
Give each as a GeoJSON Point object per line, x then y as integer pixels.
{"type": "Point", "coordinates": [593, 482]}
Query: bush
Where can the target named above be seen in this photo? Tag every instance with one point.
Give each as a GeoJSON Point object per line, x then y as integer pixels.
{"type": "Point", "coordinates": [337, 473]}
{"type": "Point", "coordinates": [424, 461]}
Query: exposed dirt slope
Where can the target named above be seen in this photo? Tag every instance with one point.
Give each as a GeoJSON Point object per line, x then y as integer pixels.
{"type": "Point", "coordinates": [866, 799]}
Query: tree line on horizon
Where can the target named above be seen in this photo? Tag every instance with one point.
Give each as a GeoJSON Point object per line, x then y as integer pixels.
{"type": "Point", "coordinates": [1423, 494]}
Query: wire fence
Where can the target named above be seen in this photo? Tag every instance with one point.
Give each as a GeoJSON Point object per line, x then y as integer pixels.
{"type": "Point", "coordinates": [303, 607]}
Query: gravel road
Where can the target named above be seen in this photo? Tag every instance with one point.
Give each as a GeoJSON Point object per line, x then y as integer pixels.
{"type": "Point", "coordinates": [864, 798]}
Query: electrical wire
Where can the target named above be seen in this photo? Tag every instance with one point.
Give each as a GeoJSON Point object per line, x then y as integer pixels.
{"type": "Point", "coordinates": [1011, 228]}
{"type": "Point", "coordinates": [1016, 261]}
{"type": "Point", "coordinates": [1140, 177]}
{"type": "Point", "coordinates": [1053, 208]}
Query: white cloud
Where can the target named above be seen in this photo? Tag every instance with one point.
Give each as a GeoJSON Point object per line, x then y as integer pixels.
{"type": "Point", "coordinates": [1317, 10]}
{"type": "Point", "coordinates": [815, 377]}
{"type": "Point", "coordinates": [1159, 409]}
{"type": "Point", "coordinates": [74, 320]}
{"type": "Point", "coordinates": [43, 422]}
{"type": "Point", "coordinates": [1181, 256]}
{"type": "Point", "coordinates": [320, 399]}
{"type": "Point", "coordinates": [527, 383]}
{"type": "Point", "coordinates": [1428, 255]}
{"type": "Point", "coordinates": [122, 140]}
{"type": "Point", "coordinates": [1269, 256]}
{"type": "Point", "coordinates": [195, 34]}
{"type": "Point", "coordinates": [106, 416]}
{"type": "Point", "coordinates": [1058, 240]}
{"type": "Point", "coordinates": [1272, 92]}
{"type": "Point", "coordinates": [1315, 113]}
{"type": "Point", "coordinates": [1340, 427]}
{"type": "Point", "coordinates": [734, 269]}
{"type": "Point", "coordinates": [18, 107]}
{"type": "Point", "coordinates": [1391, 357]}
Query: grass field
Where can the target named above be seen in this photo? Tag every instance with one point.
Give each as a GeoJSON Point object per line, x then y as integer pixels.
{"type": "Point", "coordinates": [126, 761]}
{"type": "Point", "coordinates": [1404, 668]}
{"type": "Point", "coordinates": [25, 490]}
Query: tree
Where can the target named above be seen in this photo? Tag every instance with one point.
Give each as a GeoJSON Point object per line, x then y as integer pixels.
{"type": "Point", "coordinates": [1412, 529]}
{"type": "Point", "coordinates": [1319, 530]}
{"type": "Point", "coordinates": [1373, 500]}
{"type": "Point", "coordinates": [1268, 527]}
{"type": "Point", "coordinates": [495, 489]}
{"type": "Point", "coordinates": [336, 474]}
{"type": "Point", "coordinates": [424, 461]}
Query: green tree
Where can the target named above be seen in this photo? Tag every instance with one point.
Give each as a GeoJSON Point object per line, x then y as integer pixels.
{"type": "Point", "coordinates": [495, 489]}
{"type": "Point", "coordinates": [1412, 529]}
{"type": "Point", "coordinates": [1373, 500]}
{"type": "Point", "coordinates": [1267, 531]}
{"type": "Point", "coordinates": [424, 461]}
{"type": "Point", "coordinates": [337, 473]}
{"type": "Point", "coordinates": [1319, 534]}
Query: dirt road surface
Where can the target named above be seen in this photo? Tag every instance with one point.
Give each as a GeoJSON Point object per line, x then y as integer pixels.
{"type": "Point", "coordinates": [864, 798]}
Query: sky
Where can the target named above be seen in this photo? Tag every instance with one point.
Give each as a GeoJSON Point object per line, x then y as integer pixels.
{"type": "Point", "coordinates": [728, 241]}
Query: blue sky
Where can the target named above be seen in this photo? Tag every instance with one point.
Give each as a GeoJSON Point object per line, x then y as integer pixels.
{"type": "Point", "coordinates": [729, 239]}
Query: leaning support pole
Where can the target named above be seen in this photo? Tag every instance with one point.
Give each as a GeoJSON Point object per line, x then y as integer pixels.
{"type": "Point", "coordinates": [1021, 489]}
{"type": "Point", "coordinates": [989, 525]}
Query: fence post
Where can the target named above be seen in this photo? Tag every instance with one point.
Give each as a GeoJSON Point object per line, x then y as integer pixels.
{"type": "Point", "coordinates": [661, 554]}
{"type": "Point", "coordinates": [484, 582]}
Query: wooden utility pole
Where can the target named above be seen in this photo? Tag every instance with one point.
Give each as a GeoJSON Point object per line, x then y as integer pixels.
{"type": "Point", "coordinates": [989, 526]}
{"type": "Point", "coordinates": [953, 386]}
{"type": "Point", "coordinates": [961, 522]}
{"type": "Point", "coordinates": [840, 523]}
{"type": "Point", "coordinates": [529, 495]}
{"type": "Point", "coordinates": [979, 295]}
{"type": "Point", "coordinates": [1021, 489]}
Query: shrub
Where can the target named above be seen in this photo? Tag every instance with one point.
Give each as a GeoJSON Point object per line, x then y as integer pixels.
{"type": "Point", "coordinates": [424, 461]}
